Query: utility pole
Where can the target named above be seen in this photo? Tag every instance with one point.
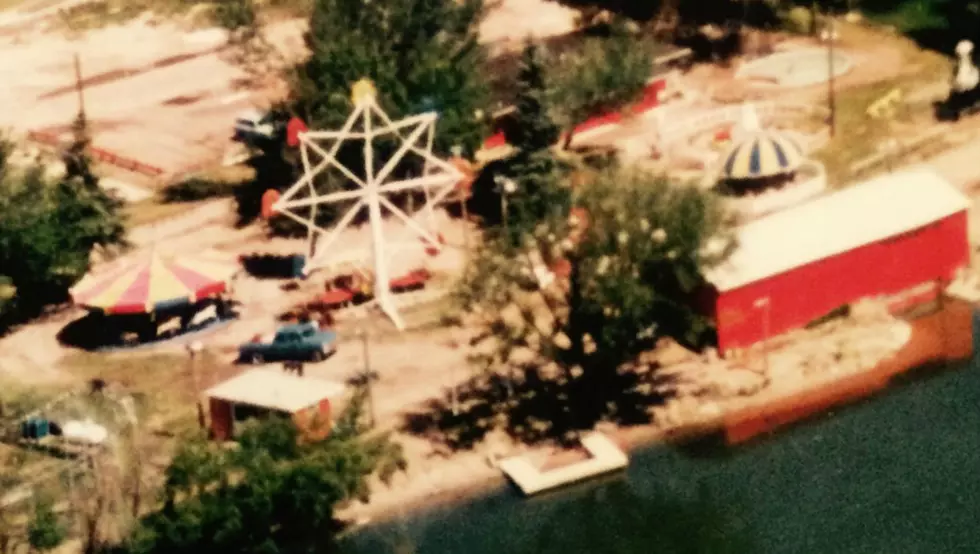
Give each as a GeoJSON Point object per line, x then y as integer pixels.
{"type": "Point", "coordinates": [193, 350]}
{"type": "Point", "coordinates": [763, 303]}
{"type": "Point", "coordinates": [368, 376]}
{"type": "Point", "coordinates": [831, 33]}
{"type": "Point", "coordinates": [79, 88]}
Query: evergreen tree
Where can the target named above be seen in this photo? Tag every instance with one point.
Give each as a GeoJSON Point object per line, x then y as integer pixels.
{"type": "Point", "coordinates": [534, 129]}
{"type": "Point", "coordinates": [540, 193]}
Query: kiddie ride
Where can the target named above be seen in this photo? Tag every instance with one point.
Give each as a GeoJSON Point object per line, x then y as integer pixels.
{"type": "Point", "coordinates": [358, 288]}
{"type": "Point", "coordinates": [964, 93]}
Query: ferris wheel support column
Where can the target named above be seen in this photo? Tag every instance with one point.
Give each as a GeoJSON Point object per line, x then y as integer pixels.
{"type": "Point", "coordinates": [382, 281]}
{"type": "Point", "coordinates": [430, 212]}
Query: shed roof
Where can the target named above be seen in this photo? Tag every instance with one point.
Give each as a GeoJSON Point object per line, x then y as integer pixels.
{"type": "Point", "coordinates": [859, 215]}
{"type": "Point", "coordinates": [275, 390]}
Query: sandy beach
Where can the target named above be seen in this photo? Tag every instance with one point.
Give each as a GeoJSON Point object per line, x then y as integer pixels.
{"type": "Point", "coordinates": [938, 338]}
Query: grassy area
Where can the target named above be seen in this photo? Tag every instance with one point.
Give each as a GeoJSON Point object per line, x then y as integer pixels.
{"type": "Point", "coordinates": [908, 15]}
{"type": "Point", "coordinates": [154, 210]}
{"type": "Point", "coordinates": [196, 12]}
{"type": "Point", "coordinates": [163, 381]}
{"type": "Point", "coordinates": [858, 135]}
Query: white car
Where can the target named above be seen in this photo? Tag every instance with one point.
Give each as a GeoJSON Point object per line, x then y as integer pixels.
{"type": "Point", "coordinates": [254, 124]}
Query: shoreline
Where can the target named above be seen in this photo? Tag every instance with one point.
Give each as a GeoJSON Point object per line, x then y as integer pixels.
{"type": "Point", "coordinates": [940, 338]}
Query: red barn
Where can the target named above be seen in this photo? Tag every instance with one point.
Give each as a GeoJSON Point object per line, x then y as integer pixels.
{"type": "Point", "coordinates": [881, 237]}
{"type": "Point", "coordinates": [261, 392]}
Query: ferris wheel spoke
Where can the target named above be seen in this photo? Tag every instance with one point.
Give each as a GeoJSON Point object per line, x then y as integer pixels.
{"type": "Point", "coordinates": [331, 160]}
{"type": "Point", "coordinates": [396, 158]}
{"type": "Point", "coordinates": [409, 221]}
{"type": "Point", "coordinates": [424, 182]}
{"type": "Point", "coordinates": [334, 234]}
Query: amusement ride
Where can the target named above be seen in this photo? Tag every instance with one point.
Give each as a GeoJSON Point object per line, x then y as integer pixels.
{"type": "Point", "coordinates": [438, 178]}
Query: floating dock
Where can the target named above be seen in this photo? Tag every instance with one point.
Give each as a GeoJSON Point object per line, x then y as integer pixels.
{"type": "Point", "coordinates": [604, 457]}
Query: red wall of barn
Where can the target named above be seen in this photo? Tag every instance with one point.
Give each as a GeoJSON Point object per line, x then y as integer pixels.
{"type": "Point", "coordinates": [801, 295]}
{"type": "Point", "coordinates": [221, 420]}
{"type": "Point", "coordinates": [649, 100]}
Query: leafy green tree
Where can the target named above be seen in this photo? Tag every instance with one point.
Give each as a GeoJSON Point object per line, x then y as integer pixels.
{"type": "Point", "coordinates": [46, 531]}
{"type": "Point", "coordinates": [421, 55]}
{"type": "Point", "coordinates": [634, 268]}
{"type": "Point", "coordinates": [606, 75]}
{"type": "Point", "coordinates": [49, 229]}
{"type": "Point", "coordinates": [276, 493]}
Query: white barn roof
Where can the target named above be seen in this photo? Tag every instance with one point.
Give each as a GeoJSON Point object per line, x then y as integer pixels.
{"type": "Point", "coordinates": [856, 216]}
{"type": "Point", "coordinates": [275, 390]}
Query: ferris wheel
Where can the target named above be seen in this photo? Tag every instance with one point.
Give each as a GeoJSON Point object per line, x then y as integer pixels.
{"type": "Point", "coordinates": [367, 122]}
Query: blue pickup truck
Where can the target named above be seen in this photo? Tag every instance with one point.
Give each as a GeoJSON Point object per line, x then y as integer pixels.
{"type": "Point", "coordinates": [303, 341]}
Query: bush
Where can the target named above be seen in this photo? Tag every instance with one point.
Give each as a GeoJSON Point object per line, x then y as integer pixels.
{"type": "Point", "coordinates": [214, 184]}
{"type": "Point", "coordinates": [798, 20]}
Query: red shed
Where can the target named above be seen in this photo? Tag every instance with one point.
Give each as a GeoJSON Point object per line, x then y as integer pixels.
{"type": "Point", "coordinates": [259, 392]}
{"type": "Point", "coordinates": [881, 237]}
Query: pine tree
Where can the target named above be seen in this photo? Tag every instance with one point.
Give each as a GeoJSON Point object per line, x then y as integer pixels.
{"type": "Point", "coordinates": [76, 157]}
{"type": "Point", "coordinates": [534, 130]}
{"type": "Point", "coordinates": [541, 193]}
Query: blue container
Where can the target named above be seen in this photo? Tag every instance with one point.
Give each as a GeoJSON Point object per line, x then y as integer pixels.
{"type": "Point", "coordinates": [42, 428]}
{"type": "Point", "coordinates": [299, 262]}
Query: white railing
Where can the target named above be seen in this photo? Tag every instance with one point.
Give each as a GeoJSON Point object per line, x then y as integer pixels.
{"type": "Point", "coordinates": [671, 131]}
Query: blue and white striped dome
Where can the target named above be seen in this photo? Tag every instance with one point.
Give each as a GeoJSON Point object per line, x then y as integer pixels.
{"type": "Point", "coordinates": [761, 155]}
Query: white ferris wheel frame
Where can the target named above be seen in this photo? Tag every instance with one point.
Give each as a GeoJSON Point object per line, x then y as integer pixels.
{"type": "Point", "coordinates": [439, 178]}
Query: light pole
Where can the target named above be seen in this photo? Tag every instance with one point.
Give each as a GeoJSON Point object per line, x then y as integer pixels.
{"type": "Point", "coordinates": [367, 376]}
{"type": "Point", "coordinates": [505, 186]}
{"type": "Point", "coordinates": [831, 36]}
{"type": "Point", "coordinates": [193, 351]}
{"type": "Point", "coordinates": [457, 152]}
{"type": "Point", "coordinates": [763, 303]}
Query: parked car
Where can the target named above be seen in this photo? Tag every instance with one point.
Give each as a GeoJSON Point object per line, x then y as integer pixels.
{"type": "Point", "coordinates": [302, 341]}
{"type": "Point", "coordinates": [256, 128]}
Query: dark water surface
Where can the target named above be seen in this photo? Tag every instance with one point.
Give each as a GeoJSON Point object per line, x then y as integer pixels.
{"type": "Point", "coordinates": [897, 474]}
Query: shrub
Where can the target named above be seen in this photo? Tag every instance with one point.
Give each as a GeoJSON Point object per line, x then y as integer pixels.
{"type": "Point", "coordinates": [214, 184]}
{"type": "Point", "coordinates": [798, 20]}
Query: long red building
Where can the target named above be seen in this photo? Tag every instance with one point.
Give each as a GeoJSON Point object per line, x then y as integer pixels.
{"type": "Point", "coordinates": [881, 237]}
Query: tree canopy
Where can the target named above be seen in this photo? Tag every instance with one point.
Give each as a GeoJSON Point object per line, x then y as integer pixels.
{"type": "Point", "coordinates": [606, 75]}
{"type": "Point", "coordinates": [421, 55]}
{"type": "Point", "coordinates": [275, 493]}
{"type": "Point", "coordinates": [634, 256]}
{"type": "Point", "coordinates": [48, 230]}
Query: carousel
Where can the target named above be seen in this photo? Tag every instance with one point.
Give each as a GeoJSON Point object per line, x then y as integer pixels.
{"type": "Point", "coordinates": [155, 296]}
{"type": "Point", "coordinates": [766, 171]}
{"type": "Point", "coordinates": [761, 161]}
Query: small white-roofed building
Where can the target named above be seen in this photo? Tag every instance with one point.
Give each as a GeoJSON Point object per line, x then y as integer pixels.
{"type": "Point", "coordinates": [258, 392]}
{"type": "Point", "coordinates": [877, 238]}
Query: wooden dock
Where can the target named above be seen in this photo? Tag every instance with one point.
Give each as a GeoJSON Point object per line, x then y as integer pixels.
{"type": "Point", "coordinates": [604, 457]}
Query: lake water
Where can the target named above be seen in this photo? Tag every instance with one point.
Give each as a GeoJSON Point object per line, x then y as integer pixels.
{"type": "Point", "coordinates": [897, 474]}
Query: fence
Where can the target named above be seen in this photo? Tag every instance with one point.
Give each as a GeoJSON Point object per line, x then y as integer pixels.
{"type": "Point", "coordinates": [54, 140]}
{"type": "Point", "coordinates": [673, 130]}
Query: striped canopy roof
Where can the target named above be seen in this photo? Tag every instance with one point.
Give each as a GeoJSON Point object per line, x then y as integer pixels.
{"type": "Point", "coordinates": [760, 155]}
{"type": "Point", "coordinates": [153, 282]}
